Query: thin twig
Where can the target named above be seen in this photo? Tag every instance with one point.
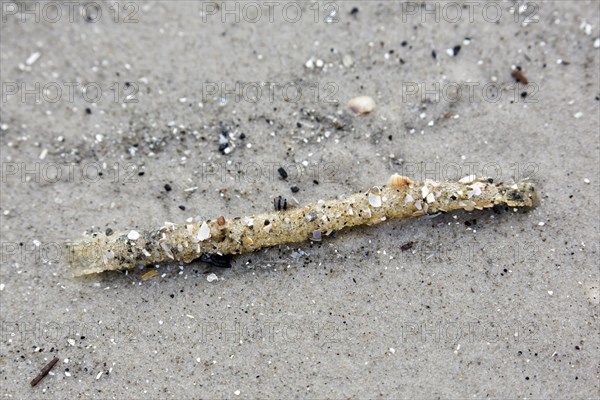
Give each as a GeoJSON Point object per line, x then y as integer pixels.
{"type": "Point", "coordinates": [44, 371]}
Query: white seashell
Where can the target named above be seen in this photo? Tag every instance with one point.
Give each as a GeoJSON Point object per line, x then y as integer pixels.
{"type": "Point", "coordinates": [430, 198]}
{"type": "Point", "coordinates": [133, 235]}
{"type": "Point", "coordinates": [375, 197]}
{"type": "Point", "coordinates": [468, 179]}
{"type": "Point", "coordinates": [398, 181]}
{"type": "Point", "coordinates": [424, 191]}
{"type": "Point", "coordinates": [347, 60]}
{"type": "Point", "coordinates": [167, 250]}
{"type": "Point", "coordinates": [362, 104]}
{"type": "Point", "coordinates": [204, 232]}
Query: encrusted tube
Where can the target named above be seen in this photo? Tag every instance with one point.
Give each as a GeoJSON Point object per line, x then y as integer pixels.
{"type": "Point", "coordinates": [400, 198]}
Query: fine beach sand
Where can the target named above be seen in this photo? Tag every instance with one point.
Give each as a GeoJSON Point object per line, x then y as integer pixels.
{"type": "Point", "coordinates": [489, 304]}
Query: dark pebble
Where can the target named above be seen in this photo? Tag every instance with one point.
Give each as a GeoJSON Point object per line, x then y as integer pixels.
{"type": "Point", "coordinates": [283, 173]}
{"type": "Point", "coordinates": [295, 189]}
{"type": "Point", "coordinates": [168, 187]}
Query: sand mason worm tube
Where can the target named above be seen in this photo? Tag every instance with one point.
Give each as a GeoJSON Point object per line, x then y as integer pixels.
{"type": "Point", "coordinates": [400, 198]}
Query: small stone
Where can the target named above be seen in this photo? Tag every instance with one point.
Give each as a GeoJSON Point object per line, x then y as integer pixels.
{"type": "Point", "coordinates": [212, 277]}
{"type": "Point", "coordinates": [133, 235]}
{"type": "Point", "coordinates": [453, 52]}
{"type": "Point", "coordinates": [586, 180]}
{"type": "Point", "coordinates": [316, 236]}
{"type": "Point", "coordinates": [282, 173]}
{"type": "Point", "coordinates": [362, 105]}
{"type": "Point", "coordinates": [295, 189]}
{"type": "Point", "coordinates": [347, 61]}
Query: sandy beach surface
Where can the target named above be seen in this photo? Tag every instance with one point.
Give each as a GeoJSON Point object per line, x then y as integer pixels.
{"type": "Point", "coordinates": [126, 115]}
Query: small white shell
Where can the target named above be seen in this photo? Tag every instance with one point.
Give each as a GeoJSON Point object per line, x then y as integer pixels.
{"type": "Point", "coordinates": [468, 179]}
{"type": "Point", "coordinates": [133, 235]}
{"type": "Point", "coordinates": [204, 232]}
{"type": "Point", "coordinates": [362, 104]}
{"type": "Point", "coordinates": [375, 197]}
